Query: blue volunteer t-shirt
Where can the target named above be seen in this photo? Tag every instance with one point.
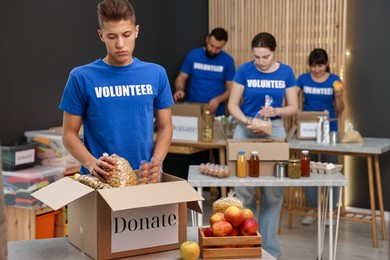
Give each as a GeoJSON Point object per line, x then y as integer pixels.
{"type": "Point", "coordinates": [117, 105]}
{"type": "Point", "coordinates": [319, 96]}
{"type": "Point", "coordinates": [208, 75]}
{"type": "Point", "coordinates": [258, 84]}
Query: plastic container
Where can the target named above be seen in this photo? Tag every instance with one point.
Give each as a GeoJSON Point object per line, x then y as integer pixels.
{"type": "Point", "coordinates": [19, 185]}
{"type": "Point", "coordinates": [18, 157]}
{"type": "Point", "coordinates": [45, 225]}
{"type": "Point", "coordinates": [50, 151]}
{"type": "Point", "coordinates": [241, 165]}
{"type": "Point", "coordinates": [254, 164]}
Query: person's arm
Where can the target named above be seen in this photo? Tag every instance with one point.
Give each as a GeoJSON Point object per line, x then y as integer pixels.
{"type": "Point", "coordinates": [180, 83]}
{"type": "Point", "coordinates": [338, 102]}
{"type": "Point", "coordinates": [234, 103]}
{"type": "Point", "coordinates": [164, 133]}
{"type": "Point", "coordinates": [214, 102]}
{"type": "Point", "coordinates": [71, 140]}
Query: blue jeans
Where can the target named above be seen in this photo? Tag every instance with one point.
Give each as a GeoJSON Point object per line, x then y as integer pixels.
{"type": "Point", "coordinates": [271, 197]}
{"type": "Point", "coordinates": [311, 192]}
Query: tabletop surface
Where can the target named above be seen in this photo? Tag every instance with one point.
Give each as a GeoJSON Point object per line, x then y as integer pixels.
{"type": "Point", "coordinates": [370, 145]}
{"type": "Point", "coordinates": [60, 248]}
{"type": "Point", "coordinates": [196, 179]}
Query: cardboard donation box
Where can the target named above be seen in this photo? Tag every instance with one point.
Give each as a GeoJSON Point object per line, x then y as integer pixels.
{"type": "Point", "coordinates": [187, 121]}
{"type": "Point", "coordinates": [270, 152]}
{"type": "Point", "coordinates": [120, 222]}
{"type": "Point", "coordinates": [307, 124]}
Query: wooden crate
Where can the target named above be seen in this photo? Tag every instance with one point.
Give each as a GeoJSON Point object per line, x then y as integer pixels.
{"type": "Point", "coordinates": [229, 246]}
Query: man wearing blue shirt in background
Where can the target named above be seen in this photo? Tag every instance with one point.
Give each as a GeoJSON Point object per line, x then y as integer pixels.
{"type": "Point", "coordinates": [210, 70]}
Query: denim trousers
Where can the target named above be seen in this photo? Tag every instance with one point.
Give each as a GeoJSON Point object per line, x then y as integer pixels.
{"type": "Point", "coordinates": [271, 197]}
{"type": "Point", "coordinates": [311, 192]}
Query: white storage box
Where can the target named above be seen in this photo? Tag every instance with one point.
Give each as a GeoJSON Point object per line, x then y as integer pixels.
{"type": "Point", "coordinates": [50, 150]}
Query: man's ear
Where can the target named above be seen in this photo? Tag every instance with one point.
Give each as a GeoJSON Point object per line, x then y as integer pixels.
{"type": "Point", "coordinates": [100, 34]}
{"type": "Point", "coordinates": [136, 31]}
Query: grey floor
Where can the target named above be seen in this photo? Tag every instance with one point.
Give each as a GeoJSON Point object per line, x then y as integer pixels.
{"type": "Point", "coordinates": [300, 242]}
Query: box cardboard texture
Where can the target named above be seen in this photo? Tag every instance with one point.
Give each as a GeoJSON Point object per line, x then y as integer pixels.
{"type": "Point", "coordinates": [183, 115]}
{"type": "Point", "coordinates": [270, 152]}
{"type": "Point", "coordinates": [92, 224]}
{"type": "Point", "coordinates": [306, 122]}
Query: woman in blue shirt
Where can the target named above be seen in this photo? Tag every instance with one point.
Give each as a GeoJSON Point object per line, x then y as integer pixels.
{"type": "Point", "coordinates": [252, 82]}
{"type": "Point", "coordinates": [319, 94]}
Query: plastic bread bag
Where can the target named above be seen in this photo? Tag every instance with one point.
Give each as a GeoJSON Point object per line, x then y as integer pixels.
{"type": "Point", "coordinates": [122, 175]}
{"type": "Point", "coordinates": [91, 181]}
{"type": "Point", "coordinates": [150, 172]}
{"type": "Point", "coordinates": [222, 204]}
{"type": "Point", "coordinates": [260, 123]}
{"type": "Point", "coordinates": [351, 135]}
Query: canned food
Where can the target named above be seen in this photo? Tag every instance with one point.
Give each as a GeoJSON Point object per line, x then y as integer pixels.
{"type": "Point", "coordinates": [294, 168]}
{"type": "Point", "coordinates": [280, 169]}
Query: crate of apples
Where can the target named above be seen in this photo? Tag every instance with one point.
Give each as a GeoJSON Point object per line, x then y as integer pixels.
{"type": "Point", "coordinates": [232, 234]}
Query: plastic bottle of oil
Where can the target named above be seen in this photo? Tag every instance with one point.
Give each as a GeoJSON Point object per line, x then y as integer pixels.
{"type": "Point", "coordinates": [208, 121]}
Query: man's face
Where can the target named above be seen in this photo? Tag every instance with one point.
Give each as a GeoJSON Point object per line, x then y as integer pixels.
{"type": "Point", "coordinates": [213, 46]}
{"type": "Point", "coordinates": [119, 38]}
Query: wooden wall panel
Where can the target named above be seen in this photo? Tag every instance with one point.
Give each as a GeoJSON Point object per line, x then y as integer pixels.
{"type": "Point", "coordinates": [298, 25]}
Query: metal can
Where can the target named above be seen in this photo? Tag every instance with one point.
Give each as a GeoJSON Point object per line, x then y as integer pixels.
{"type": "Point", "coordinates": [333, 138]}
{"type": "Point", "coordinates": [294, 168]}
{"type": "Point", "coordinates": [280, 169]}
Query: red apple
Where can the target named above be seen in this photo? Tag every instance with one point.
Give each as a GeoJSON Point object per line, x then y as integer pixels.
{"type": "Point", "coordinates": [249, 227]}
{"type": "Point", "coordinates": [235, 232]}
{"type": "Point", "coordinates": [222, 228]}
{"type": "Point", "coordinates": [218, 216]}
{"type": "Point", "coordinates": [208, 232]}
{"type": "Point", "coordinates": [247, 213]}
{"type": "Point", "coordinates": [233, 214]}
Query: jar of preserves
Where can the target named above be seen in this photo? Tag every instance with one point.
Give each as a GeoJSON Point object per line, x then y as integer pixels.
{"type": "Point", "coordinates": [294, 168]}
{"type": "Point", "coordinates": [241, 164]}
{"type": "Point", "coordinates": [254, 164]}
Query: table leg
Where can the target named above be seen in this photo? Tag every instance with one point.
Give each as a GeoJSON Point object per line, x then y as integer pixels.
{"type": "Point", "coordinates": [330, 223]}
{"type": "Point", "coordinates": [200, 215]}
{"type": "Point", "coordinates": [222, 160]}
{"type": "Point", "coordinates": [319, 230]}
{"type": "Point", "coordinates": [372, 201]}
{"type": "Point", "coordinates": [380, 196]}
{"type": "Point", "coordinates": [337, 222]}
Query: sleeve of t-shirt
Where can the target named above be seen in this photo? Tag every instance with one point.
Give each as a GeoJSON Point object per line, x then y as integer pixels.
{"type": "Point", "coordinates": [230, 70]}
{"type": "Point", "coordinates": [164, 98]}
{"type": "Point", "coordinates": [72, 101]}
{"type": "Point", "coordinates": [239, 76]}
{"type": "Point", "coordinates": [186, 67]}
{"type": "Point", "coordinates": [291, 82]}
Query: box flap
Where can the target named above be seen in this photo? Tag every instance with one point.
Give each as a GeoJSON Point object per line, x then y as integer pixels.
{"type": "Point", "coordinates": [268, 149]}
{"type": "Point", "coordinates": [309, 115]}
{"type": "Point", "coordinates": [150, 195]}
{"type": "Point", "coordinates": [61, 192]}
{"type": "Point", "coordinates": [188, 109]}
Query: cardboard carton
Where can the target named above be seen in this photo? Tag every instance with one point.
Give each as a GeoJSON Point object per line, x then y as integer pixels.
{"type": "Point", "coordinates": [307, 124]}
{"type": "Point", "coordinates": [121, 222]}
{"type": "Point", "coordinates": [187, 121]}
{"type": "Point", "coordinates": [270, 152]}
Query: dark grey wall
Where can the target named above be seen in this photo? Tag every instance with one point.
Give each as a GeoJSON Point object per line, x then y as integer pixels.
{"type": "Point", "coordinates": [43, 40]}
{"type": "Point", "coordinates": [367, 78]}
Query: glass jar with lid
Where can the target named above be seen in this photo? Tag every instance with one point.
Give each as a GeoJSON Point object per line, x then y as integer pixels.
{"type": "Point", "coordinates": [294, 168]}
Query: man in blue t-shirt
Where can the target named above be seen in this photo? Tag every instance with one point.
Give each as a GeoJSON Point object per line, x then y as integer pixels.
{"type": "Point", "coordinates": [116, 98]}
{"type": "Point", "coordinates": [210, 70]}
